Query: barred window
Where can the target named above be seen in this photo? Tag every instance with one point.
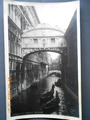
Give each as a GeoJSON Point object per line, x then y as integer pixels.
{"type": "Point", "coordinates": [35, 40]}
{"type": "Point", "coordinates": [53, 40]}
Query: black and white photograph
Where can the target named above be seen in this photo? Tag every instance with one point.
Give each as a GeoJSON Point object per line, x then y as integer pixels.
{"type": "Point", "coordinates": [42, 60]}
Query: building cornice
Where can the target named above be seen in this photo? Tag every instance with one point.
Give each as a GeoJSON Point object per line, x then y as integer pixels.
{"type": "Point", "coordinates": [14, 24]}
{"type": "Point", "coordinates": [43, 37]}
{"type": "Point", "coordinates": [44, 28]}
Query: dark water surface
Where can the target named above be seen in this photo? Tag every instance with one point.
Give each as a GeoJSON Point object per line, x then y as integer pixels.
{"type": "Point", "coordinates": [28, 102]}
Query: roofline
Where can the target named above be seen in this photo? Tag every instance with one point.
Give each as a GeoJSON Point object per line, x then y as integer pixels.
{"type": "Point", "coordinates": [42, 36]}
{"type": "Point", "coordinates": [33, 29]}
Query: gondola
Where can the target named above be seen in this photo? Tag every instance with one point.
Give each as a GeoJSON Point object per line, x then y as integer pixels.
{"type": "Point", "coordinates": [51, 105]}
{"type": "Point", "coordinates": [47, 96]}
{"type": "Point", "coordinates": [46, 93]}
{"type": "Point", "coordinates": [45, 99]}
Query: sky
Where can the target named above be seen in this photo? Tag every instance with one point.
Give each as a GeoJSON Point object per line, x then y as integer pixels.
{"type": "Point", "coordinates": [53, 55]}
{"type": "Point", "coordinates": [56, 15]}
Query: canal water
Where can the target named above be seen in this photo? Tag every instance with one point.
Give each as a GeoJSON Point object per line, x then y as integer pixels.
{"type": "Point", "coordinates": [29, 101]}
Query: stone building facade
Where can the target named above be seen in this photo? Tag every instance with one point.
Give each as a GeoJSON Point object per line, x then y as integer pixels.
{"type": "Point", "coordinates": [72, 74]}
{"type": "Point", "coordinates": [36, 69]}
{"type": "Point", "coordinates": [19, 19]}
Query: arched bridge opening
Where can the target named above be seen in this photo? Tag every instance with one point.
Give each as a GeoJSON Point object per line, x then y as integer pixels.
{"type": "Point", "coordinates": [27, 52]}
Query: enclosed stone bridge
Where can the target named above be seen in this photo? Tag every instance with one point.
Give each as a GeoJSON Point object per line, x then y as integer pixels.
{"type": "Point", "coordinates": [43, 38]}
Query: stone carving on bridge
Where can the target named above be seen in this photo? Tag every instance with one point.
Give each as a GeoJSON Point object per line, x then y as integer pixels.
{"type": "Point", "coordinates": [26, 51]}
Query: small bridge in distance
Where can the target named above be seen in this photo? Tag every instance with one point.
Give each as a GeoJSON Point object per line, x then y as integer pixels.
{"type": "Point", "coordinates": [55, 71]}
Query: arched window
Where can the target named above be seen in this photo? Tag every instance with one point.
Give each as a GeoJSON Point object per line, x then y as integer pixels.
{"type": "Point", "coordinates": [53, 40]}
{"type": "Point", "coordinates": [35, 40]}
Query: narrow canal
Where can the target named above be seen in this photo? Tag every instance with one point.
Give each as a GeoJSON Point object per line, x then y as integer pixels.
{"type": "Point", "coordinates": [28, 102]}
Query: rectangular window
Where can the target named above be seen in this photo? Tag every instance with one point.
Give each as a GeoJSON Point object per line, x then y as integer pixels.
{"type": "Point", "coordinates": [53, 40]}
{"type": "Point", "coordinates": [35, 40]}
